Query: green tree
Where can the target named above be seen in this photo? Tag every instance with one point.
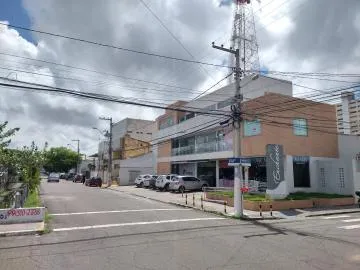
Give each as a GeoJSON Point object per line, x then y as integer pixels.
{"type": "Point", "coordinates": [6, 134]}
{"type": "Point", "coordinates": [60, 159]}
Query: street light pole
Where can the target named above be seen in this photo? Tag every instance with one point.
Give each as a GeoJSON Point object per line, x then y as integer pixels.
{"type": "Point", "coordinates": [78, 154]}
{"type": "Point", "coordinates": [110, 149]}
{"type": "Point", "coordinates": [237, 118]}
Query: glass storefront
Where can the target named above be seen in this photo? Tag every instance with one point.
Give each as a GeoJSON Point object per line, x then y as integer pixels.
{"type": "Point", "coordinates": [207, 171]}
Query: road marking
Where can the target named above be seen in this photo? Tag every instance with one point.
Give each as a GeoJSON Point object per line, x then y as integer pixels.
{"type": "Point", "coordinates": [333, 217]}
{"type": "Point", "coordinates": [135, 224]}
{"type": "Point", "coordinates": [119, 211]}
{"type": "Point", "coordinates": [350, 227]}
{"type": "Point", "coordinates": [352, 220]}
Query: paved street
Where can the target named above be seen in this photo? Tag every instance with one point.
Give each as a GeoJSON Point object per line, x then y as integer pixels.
{"type": "Point", "coordinates": [102, 229]}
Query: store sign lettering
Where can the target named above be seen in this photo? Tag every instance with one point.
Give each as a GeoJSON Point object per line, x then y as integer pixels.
{"type": "Point", "coordinates": [274, 166]}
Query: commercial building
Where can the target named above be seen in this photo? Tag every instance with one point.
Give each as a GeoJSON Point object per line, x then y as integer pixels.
{"type": "Point", "coordinates": [348, 114]}
{"type": "Point", "coordinates": [130, 138]}
{"type": "Point", "coordinates": [196, 144]}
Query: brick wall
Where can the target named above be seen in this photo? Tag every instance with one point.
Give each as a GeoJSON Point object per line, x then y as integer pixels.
{"type": "Point", "coordinates": [276, 113]}
{"type": "Point", "coordinates": [163, 168]}
{"type": "Point", "coordinates": [164, 149]}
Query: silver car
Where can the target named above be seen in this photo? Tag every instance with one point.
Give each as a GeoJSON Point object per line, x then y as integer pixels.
{"type": "Point", "coordinates": [54, 177]}
{"type": "Point", "coordinates": [184, 182]}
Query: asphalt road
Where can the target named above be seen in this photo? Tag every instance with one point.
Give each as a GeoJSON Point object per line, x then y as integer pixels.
{"type": "Point", "coordinates": [102, 229]}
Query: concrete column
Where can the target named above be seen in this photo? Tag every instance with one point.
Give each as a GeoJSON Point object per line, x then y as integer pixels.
{"type": "Point", "coordinates": [217, 174]}
{"type": "Point", "coordinates": [346, 97]}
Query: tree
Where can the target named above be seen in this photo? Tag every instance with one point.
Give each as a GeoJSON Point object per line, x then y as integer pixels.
{"type": "Point", "coordinates": [60, 159]}
{"type": "Point", "coordinates": [5, 135]}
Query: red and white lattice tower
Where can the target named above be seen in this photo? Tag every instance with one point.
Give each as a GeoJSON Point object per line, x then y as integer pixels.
{"type": "Point", "coordinates": [244, 37]}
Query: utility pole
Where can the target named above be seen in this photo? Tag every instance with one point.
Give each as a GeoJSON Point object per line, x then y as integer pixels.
{"type": "Point", "coordinates": [237, 118]}
{"type": "Point", "coordinates": [78, 154]}
{"type": "Point", "coordinates": [110, 149]}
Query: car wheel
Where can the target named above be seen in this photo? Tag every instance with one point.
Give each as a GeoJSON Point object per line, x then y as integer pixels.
{"type": "Point", "coordinates": [203, 187]}
{"type": "Point", "coordinates": [182, 189]}
{"type": "Point", "coordinates": [166, 187]}
{"type": "Point", "coordinates": [142, 184]}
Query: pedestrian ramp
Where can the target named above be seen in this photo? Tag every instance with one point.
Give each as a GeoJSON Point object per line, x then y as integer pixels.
{"type": "Point", "coordinates": [345, 222]}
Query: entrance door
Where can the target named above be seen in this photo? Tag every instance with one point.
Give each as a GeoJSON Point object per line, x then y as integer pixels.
{"type": "Point", "coordinates": [207, 171]}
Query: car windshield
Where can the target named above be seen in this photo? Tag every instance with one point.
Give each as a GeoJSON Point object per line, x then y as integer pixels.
{"type": "Point", "coordinates": [54, 175]}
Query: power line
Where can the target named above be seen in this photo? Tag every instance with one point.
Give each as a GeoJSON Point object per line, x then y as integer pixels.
{"type": "Point", "coordinates": [94, 71]}
{"type": "Point", "coordinates": [113, 46]}
{"type": "Point", "coordinates": [102, 98]}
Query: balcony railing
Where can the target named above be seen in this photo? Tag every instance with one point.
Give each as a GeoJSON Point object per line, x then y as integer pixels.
{"type": "Point", "coordinates": [202, 148]}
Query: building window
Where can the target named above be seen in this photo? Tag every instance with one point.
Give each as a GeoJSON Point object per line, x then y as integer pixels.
{"type": "Point", "coordinates": [322, 177]}
{"type": "Point", "coordinates": [300, 127]}
{"type": "Point", "coordinates": [225, 103]}
{"type": "Point", "coordinates": [167, 122]}
{"type": "Point", "coordinates": [252, 128]}
{"type": "Point", "coordinates": [187, 117]}
{"type": "Point", "coordinates": [341, 178]}
{"type": "Point", "coordinates": [301, 171]}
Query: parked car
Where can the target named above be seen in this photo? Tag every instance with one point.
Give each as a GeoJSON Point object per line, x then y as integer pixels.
{"type": "Point", "coordinates": [70, 177]}
{"type": "Point", "coordinates": [139, 181]}
{"type": "Point", "coordinates": [153, 181]}
{"type": "Point", "coordinates": [184, 182]}
{"type": "Point", "coordinates": [150, 182]}
{"type": "Point", "coordinates": [94, 182]}
{"type": "Point", "coordinates": [54, 177]}
{"type": "Point", "coordinates": [78, 178]}
{"type": "Point", "coordinates": [163, 181]}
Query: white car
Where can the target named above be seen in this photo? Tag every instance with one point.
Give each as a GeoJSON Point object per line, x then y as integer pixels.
{"type": "Point", "coordinates": [163, 181]}
{"type": "Point", "coordinates": [187, 182]}
{"type": "Point", "coordinates": [139, 181]}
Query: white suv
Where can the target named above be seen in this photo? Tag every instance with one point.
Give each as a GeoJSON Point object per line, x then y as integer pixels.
{"type": "Point", "coordinates": [139, 181]}
{"type": "Point", "coordinates": [163, 181]}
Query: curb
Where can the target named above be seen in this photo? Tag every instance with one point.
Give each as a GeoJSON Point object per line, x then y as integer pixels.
{"type": "Point", "coordinates": [24, 232]}
{"type": "Point", "coordinates": [195, 208]}
{"type": "Point", "coordinates": [335, 213]}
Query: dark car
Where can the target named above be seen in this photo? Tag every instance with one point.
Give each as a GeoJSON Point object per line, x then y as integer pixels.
{"type": "Point", "coordinates": [78, 178]}
{"type": "Point", "coordinates": [70, 177]}
{"type": "Point", "coordinates": [93, 182]}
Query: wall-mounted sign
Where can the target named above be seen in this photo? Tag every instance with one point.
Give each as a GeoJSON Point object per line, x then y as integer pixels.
{"type": "Point", "coordinates": [239, 161]}
{"type": "Point", "coordinates": [274, 165]}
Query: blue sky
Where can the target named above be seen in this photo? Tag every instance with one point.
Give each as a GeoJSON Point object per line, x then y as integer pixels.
{"type": "Point", "coordinates": [13, 12]}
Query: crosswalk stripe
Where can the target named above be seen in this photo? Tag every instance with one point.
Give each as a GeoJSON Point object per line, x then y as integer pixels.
{"type": "Point", "coordinates": [352, 220]}
{"type": "Point", "coordinates": [334, 217]}
{"type": "Point", "coordinates": [102, 226]}
{"type": "Point", "coordinates": [350, 227]}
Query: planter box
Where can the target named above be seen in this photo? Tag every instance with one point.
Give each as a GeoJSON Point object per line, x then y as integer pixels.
{"type": "Point", "coordinates": [283, 204]}
{"type": "Point", "coordinates": [277, 205]}
{"type": "Point", "coordinates": [334, 202]}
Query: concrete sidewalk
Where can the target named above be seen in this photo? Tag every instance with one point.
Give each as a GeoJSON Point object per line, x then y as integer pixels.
{"type": "Point", "coordinates": [178, 199]}
{"type": "Point", "coordinates": [21, 228]}
{"type": "Point", "coordinates": [193, 201]}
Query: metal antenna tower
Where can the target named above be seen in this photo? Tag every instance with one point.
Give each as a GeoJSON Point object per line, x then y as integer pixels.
{"type": "Point", "coordinates": [244, 38]}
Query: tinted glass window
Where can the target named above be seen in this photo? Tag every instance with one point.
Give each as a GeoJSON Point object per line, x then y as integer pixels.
{"type": "Point", "coordinates": [188, 179]}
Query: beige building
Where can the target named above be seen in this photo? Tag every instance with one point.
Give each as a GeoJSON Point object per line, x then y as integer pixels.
{"type": "Point", "coordinates": [348, 114]}
{"type": "Point", "coordinates": [306, 130]}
